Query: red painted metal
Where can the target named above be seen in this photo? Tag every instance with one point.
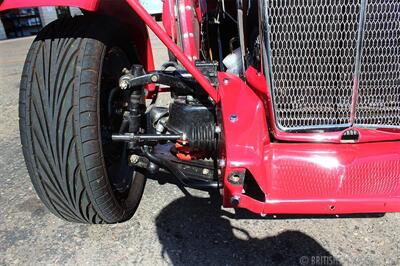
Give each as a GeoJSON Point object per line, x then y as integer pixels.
{"type": "Point", "coordinates": [189, 29]}
{"type": "Point", "coordinates": [169, 19]}
{"type": "Point", "coordinates": [136, 29]}
{"type": "Point", "coordinates": [189, 26]}
{"type": "Point", "coordinates": [163, 36]}
{"type": "Point", "coordinates": [90, 5]}
{"type": "Point", "coordinates": [244, 139]}
{"type": "Point", "coordinates": [257, 82]}
{"type": "Point", "coordinates": [302, 178]}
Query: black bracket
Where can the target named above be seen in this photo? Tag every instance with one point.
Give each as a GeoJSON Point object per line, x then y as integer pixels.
{"type": "Point", "coordinates": [180, 83]}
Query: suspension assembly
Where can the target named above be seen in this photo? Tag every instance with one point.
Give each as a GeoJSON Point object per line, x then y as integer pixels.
{"type": "Point", "coordinates": [185, 131]}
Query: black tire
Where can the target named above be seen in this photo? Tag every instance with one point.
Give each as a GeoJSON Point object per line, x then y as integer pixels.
{"type": "Point", "coordinates": [61, 121]}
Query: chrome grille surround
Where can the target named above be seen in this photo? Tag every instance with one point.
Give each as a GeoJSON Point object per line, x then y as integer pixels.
{"type": "Point", "coordinates": [325, 70]}
{"type": "Point", "coordinates": [378, 101]}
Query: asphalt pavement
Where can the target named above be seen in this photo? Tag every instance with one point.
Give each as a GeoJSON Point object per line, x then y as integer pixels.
{"type": "Point", "coordinates": [168, 227]}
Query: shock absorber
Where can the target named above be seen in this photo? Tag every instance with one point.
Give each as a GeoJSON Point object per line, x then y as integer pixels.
{"type": "Point", "coordinates": [136, 102]}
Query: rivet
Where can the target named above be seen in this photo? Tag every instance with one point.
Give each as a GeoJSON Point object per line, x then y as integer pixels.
{"type": "Point", "coordinates": [233, 118]}
{"type": "Point", "coordinates": [235, 200]}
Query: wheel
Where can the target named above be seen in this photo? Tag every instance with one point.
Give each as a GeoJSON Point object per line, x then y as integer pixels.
{"type": "Point", "coordinates": [68, 97]}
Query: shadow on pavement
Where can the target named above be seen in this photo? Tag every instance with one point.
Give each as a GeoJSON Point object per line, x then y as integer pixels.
{"type": "Point", "coordinates": [193, 232]}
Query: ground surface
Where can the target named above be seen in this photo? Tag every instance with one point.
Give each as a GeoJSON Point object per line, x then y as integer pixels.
{"type": "Point", "coordinates": [167, 228]}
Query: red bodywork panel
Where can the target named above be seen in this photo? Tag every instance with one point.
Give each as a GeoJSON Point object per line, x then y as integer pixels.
{"type": "Point", "coordinates": [295, 178]}
{"type": "Point", "coordinates": [306, 178]}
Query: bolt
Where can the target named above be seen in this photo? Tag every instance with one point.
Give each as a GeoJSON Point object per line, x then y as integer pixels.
{"type": "Point", "coordinates": [221, 163]}
{"type": "Point", "coordinates": [218, 129]}
{"type": "Point", "coordinates": [184, 139]}
{"type": "Point", "coordinates": [233, 118]}
{"type": "Point", "coordinates": [263, 214]}
{"type": "Point", "coordinates": [226, 81]}
{"type": "Point", "coordinates": [154, 78]}
{"type": "Point", "coordinates": [235, 200]}
{"type": "Point", "coordinates": [184, 136]}
{"type": "Point", "coordinates": [123, 84]}
{"type": "Point", "coordinates": [235, 178]}
{"type": "Point", "coordinates": [205, 171]}
{"type": "Point", "coordinates": [189, 98]}
{"type": "Point", "coordinates": [134, 159]}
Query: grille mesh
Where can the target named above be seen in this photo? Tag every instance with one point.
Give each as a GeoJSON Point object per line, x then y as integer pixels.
{"type": "Point", "coordinates": [312, 48]}
{"type": "Point", "coordinates": [378, 102]}
{"type": "Point", "coordinates": [312, 51]}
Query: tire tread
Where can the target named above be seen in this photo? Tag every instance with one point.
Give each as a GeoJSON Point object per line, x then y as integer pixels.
{"type": "Point", "coordinates": [59, 123]}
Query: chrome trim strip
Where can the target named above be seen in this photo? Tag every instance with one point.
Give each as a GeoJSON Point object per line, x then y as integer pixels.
{"type": "Point", "coordinates": [357, 66]}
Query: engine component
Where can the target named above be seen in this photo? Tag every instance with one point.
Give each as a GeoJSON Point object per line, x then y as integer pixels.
{"type": "Point", "coordinates": [233, 62]}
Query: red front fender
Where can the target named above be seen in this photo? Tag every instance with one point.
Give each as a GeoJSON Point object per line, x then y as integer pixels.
{"type": "Point", "coordinates": [132, 13]}
{"type": "Point", "coordinates": [114, 8]}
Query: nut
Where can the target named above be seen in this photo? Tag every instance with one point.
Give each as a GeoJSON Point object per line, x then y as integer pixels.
{"type": "Point", "coordinates": [123, 84]}
{"type": "Point", "coordinates": [235, 200]}
{"type": "Point", "coordinates": [154, 78]}
{"type": "Point", "coordinates": [134, 159]}
{"type": "Point", "coordinates": [205, 171]}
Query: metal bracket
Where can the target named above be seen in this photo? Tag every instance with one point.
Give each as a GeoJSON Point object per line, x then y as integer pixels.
{"type": "Point", "coordinates": [180, 83]}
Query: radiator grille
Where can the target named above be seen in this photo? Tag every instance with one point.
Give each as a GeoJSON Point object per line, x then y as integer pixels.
{"type": "Point", "coordinates": [378, 102]}
{"type": "Point", "coordinates": [312, 54]}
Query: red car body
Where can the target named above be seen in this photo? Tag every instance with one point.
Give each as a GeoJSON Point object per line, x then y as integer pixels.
{"type": "Point", "coordinates": [298, 173]}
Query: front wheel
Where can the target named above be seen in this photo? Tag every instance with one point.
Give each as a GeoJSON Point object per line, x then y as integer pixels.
{"type": "Point", "coordinates": [68, 87]}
